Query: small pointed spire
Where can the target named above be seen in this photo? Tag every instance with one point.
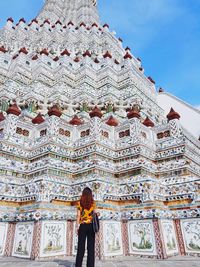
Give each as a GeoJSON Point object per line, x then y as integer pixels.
{"type": "Point", "coordinates": [161, 90]}
{"type": "Point", "coordinates": [128, 56]}
{"type": "Point", "coordinates": [87, 54]}
{"type": "Point", "coordinates": [96, 60]}
{"type": "Point", "coordinates": [10, 19]}
{"type": "Point", "coordinates": [151, 80]}
{"type": "Point", "coordinates": [44, 52]}
{"type": "Point", "coordinates": [112, 121]}
{"type": "Point", "coordinates": [96, 112]}
{"type": "Point", "coordinates": [173, 115]}
{"type": "Point", "coordinates": [82, 24]}
{"type": "Point", "coordinates": [75, 121]}
{"type": "Point", "coordinates": [47, 21]}
{"type": "Point", "coordinates": [56, 59]}
{"type": "Point", "coordinates": [35, 57]}
{"type": "Point", "coordinates": [65, 53]}
{"type": "Point", "coordinates": [70, 23]}
{"type": "Point", "coordinates": [58, 22]}
{"type": "Point", "coordinates": [34, 21]}
{"type": "Point", "coordinates": [147, 122]}
{"type": "Point", "coordinates": [2, 49]}
{"type": "Point", "coordinates": [23, 50]}
{"type": "Point", "coordinates": [38, 119]}
{"type": "Point", "coordinates": [77, 59]}
{"type": "Point", "coordinates": [15, 56]}
{"type": "Point", "coordinates": [14, 110]}
{"type": "Point", "coordinates": [107, 55]}
{"type": "Point", "coordinates": [95, 25]}
{"type": "Point", "coordinates": [54, 111]}
{"type": "Point", "coordinates": [106, 26]}
{"type": "Point", "coordinates": [22, 20]}
{"type": "Point", "coordinates": [133, 113]}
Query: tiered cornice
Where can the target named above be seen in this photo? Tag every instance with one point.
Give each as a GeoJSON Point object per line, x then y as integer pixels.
{"type": "Point", "coordinates": [79, 56]}
{"type": "Point", "coordinates": [57, 11]}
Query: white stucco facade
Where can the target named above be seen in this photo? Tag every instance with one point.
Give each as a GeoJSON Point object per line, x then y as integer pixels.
{"type": "Point", "coordinates": [190, 116]}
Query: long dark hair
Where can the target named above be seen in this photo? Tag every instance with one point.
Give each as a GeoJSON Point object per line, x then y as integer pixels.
{"type": "Point", "coordinates": [87, 200]}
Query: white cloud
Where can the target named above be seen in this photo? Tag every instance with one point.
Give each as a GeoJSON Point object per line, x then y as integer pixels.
{"type": "Point", "coordinates": [197, 107]}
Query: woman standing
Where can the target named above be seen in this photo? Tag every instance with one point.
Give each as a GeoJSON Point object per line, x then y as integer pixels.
{"type": "Point", "coordinates": [86, 208]}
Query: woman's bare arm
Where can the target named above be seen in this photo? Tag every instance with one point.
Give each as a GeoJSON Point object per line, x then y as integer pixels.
{"type": "Point", "coordinates": [95, 211]}
{"type": "Point", "coordinates": [78, 220]}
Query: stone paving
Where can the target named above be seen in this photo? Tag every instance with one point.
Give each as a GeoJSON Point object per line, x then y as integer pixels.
{"type": "Point", "coordinates": [120, 262]}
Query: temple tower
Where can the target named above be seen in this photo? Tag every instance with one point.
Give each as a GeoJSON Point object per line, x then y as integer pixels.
{"type": "Point", "coordinates": [76, 110]}
{"type": "Point", "coordinates": [66, 11]}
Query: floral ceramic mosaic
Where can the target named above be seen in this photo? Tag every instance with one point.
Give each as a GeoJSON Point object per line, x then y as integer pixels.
{"type": "Point", "coordinates": [141, 237]}
{"type": "Point", "coordinates": [169, 236]}
{"type": "Point", "coordinates": [23, 240]}
{"type": "Point", "coordinates": [112, 238]}
{"type": "Point", "coordinates": [53, 238]}
{"type": "Point", "coordinates": [191, 235]}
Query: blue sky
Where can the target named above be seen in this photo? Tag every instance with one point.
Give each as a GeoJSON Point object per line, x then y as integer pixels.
{"type": "Point", "coordinates": [165, 34]}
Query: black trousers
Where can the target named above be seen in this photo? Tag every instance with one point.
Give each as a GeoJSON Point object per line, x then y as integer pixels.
{"type": "Point", "coordinates": [86, 231]}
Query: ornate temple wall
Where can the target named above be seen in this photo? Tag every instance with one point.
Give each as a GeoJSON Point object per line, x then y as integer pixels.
{"type": "Point", "coordinates": [23, 240]}
{"type": "Point", "coordinates": [155, 238]}
{"type": "Point", "coordinates": [169, 237]}
{"type": "Point", "coordinates": [191, 235]}
{"type": "Point", "coordinates": [3, 235]}
{"type": "Point", "coordinates": [53, 238]}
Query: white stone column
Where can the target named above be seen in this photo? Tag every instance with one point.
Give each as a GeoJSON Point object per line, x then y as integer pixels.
{"type": "Point", "coordinates": [10, 125]}
{"type": "Point", "coordinates": [135, 130]}
{"type": "Point", "coordinates": [95, 128]}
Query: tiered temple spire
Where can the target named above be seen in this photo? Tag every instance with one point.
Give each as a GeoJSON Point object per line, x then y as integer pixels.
{"type": "Point", "coordinates": [76, 11]}
{"type": "Point", "coordinates": [76, 110]}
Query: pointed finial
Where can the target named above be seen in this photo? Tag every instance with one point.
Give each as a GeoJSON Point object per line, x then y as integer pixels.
{"type": "Point", "coordinates": [173, 115]}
